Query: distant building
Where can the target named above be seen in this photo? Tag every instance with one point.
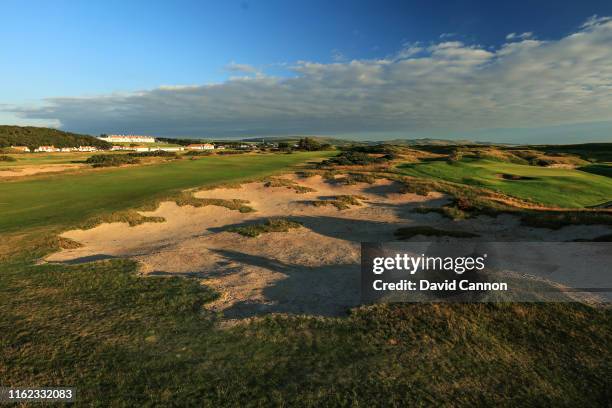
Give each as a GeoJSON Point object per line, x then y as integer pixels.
{"type": "Point", "coordinates": [47, 149]}
{"type": "Point", "coordinates": [86, 149]}
{"type": "Point", "coordinates": [67, 149]}
{"type": "Point", "coordinates": [127, 139]}
{"type": "Point", "coordinates": [141, 148]}
{"type": "Point", "coordinates": [204, 146]}
{"type": "Point", "coordinates": [172, 148]}
{"type": "Point", "coordinates": [121, 148]}
{"type": "Point", "coordinates": [24, 149]}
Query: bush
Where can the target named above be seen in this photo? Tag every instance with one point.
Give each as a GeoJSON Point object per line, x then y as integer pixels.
{"type": "Point", "coordinates": [5, 158]}
{"type": "Point", "coordinates": [350, 158]}
{"type": "Point", "coordinates": [154, 153]}
{"type": "Point", "coordinates": [110, 160]}
{"type": "Point", "coordinates": [199, 153]}
{"type": "Point", "coordinates": [309, 144]}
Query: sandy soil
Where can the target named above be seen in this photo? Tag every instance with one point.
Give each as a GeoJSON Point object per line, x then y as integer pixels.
{"type": "Point", "coordinates": [311, 270]}
{"type": "Point", "coordinates": [23, 171]}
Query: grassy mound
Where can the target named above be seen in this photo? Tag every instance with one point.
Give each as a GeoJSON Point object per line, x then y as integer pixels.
{"type": "Point", "coordinates": [281, 182]}
{"type": "Point", "coordinates": [271, 225]}
{"type": "Point", "coordinates": [341, 202]}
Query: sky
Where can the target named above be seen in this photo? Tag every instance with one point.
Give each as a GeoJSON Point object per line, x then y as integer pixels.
{"type": "Point", "coordinates": [519, 71]}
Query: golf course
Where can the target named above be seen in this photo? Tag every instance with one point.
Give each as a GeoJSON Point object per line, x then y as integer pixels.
{"type": "Point", "coordinates": [123, 338]}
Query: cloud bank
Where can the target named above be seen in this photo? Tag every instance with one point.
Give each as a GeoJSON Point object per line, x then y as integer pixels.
{"type": "Point", "coordinates": [436, 87]}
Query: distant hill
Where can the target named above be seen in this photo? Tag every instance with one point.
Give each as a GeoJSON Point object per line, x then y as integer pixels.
{"type": "Point", "coordinates": [294, 139]}
{"type": "Point", "coordinates": [347, 142]}
{"type": "Point", "coordinates": [38, 136]}
{"type": "Point", "coordinates": [431, 142]}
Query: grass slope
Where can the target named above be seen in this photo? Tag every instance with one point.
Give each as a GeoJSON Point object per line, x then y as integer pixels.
{"type": "Point", "coordinates": [130, 341]}
{"type": "Point", "coordinates": [64, 200]}
{"type": "Point", "coordinates": [551, 186]}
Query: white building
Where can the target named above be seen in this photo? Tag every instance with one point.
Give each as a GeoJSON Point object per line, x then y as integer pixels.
{"type": "Point", "coordinates": [47, 149]}
{"type": "Point", "coordinates": [204, 146]}
{"type": "Point", "coordinates": [86, 149]}
{"type": "Point", "coordinates": [24, 149]}
{"type": "Point", "coordinates": [127, 139]}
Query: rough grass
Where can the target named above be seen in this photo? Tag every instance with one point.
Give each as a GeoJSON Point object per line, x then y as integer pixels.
{"type": "Point", "coordinates": [409, 232]}
{"type": "Point", "coordinates": [5, 158]}
{"type": "Point", "coordinates": [354, 178]}
{"type": "Point", "coordinates": [124, 340]}
{"type": "Point", "coordinates": [341, 202]}
{"type": "Point", "coordinates": [234, 204]}
{"type": "Point", "coordinates": [67, 243]}
{"type": "Point", "coordinates": [132, 217]}
{"type": "Point", "coordinates": [271, 225]}
{"type": "Point", "coordinates": [290, 184]}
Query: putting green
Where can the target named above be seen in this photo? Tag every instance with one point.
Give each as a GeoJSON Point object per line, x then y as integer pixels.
{"type": "Point", "coordinates": [551, 186]}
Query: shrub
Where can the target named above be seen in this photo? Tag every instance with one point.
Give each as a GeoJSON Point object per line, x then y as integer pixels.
{"type": "Point", "coordinates": [354, 178]}
{"type": "Point", "coordinates": [5, 158]}
{"type": "Point", "coordinates": [110, 160]}
{"type": "Point", "coordinates": [198, 153]}
{"type": "Point", "coordinates": [154, 153]}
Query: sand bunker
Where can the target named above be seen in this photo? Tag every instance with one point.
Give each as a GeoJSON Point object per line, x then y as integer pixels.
{"type": "Point", "coordinates": [309, 270]}
{"type": "Point", "coordinates": [23, 171]}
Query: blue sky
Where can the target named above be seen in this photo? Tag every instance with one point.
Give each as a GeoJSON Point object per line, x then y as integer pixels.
{"type": "Point", "coordinates": [346, 68]}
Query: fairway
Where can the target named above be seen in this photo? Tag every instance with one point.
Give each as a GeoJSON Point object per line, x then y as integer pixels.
{"type": "Point", "coordinates": [39, 159]}
{"type": "Point", "coordinates": [551, 186]}
{"type": "Point", "coordinates": [63, 200]}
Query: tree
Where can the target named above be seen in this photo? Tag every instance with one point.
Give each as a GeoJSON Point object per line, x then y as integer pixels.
{"type": "Point", "coordinates": [309, 144]}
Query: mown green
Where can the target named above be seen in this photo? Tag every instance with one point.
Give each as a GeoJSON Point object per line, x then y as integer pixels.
{"type": "Point", "coordinates": [62, 200]}
{"type": "Point", "coordinates": [568, 188]}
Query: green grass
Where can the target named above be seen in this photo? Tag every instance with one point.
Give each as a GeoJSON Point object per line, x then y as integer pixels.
{"type": "Point", "coordinates": [603, 169]}
{"type": "Point", "coordinates": [550, 186]}
{"type": "Point", "coordinates": [64, 200]}
{"type": "Point", "coordinates": [30, 159]}
{"type": "Point", "coordinates": [123, 340]}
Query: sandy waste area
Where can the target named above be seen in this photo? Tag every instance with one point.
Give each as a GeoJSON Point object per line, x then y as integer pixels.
{"type": "Point", "coordinates": [22, 171]}
{"type": "Point", "coordinates": [309, 270]}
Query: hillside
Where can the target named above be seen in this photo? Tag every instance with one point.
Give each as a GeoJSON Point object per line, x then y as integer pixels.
{"type": "Point", "coordinates": [38, 136]}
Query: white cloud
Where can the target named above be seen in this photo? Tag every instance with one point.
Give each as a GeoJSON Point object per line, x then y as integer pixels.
{"type": "Point", "coordinates": [243, 68]}
{"type": "Point", "coordinates": [523, 36]}
{"type": "Point", "coordinates": [424, 88]}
